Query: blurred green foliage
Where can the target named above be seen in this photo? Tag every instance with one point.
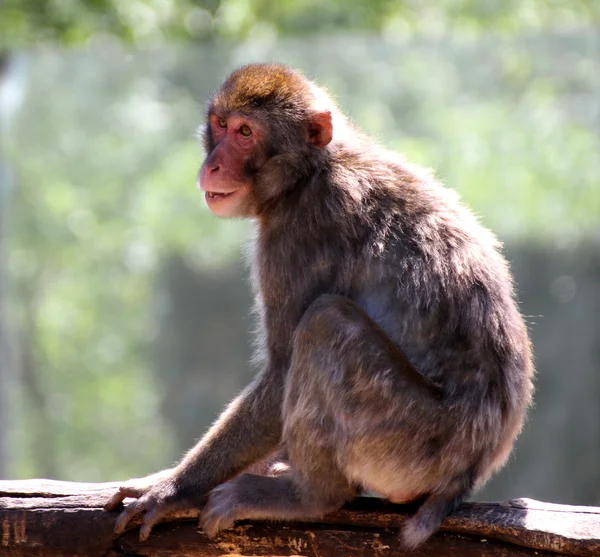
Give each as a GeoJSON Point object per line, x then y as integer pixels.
{"type": "Point", "coordinates": [501, 97]}
{"type": "Point", "coordinates": [74, 21]}
{"type": "Point", "coordinates": [106, 160]}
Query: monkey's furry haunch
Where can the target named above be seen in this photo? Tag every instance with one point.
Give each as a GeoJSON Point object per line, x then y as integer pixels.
{"type": "Point", "coordinates": [393, 356]}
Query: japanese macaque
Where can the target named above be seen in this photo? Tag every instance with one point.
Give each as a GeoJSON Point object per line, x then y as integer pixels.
{"type": "Point", "coordinates": [393, 357]}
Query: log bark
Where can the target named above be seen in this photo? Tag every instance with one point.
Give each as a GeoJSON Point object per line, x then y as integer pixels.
{"type": "Point", "coordinates": [43, 518]}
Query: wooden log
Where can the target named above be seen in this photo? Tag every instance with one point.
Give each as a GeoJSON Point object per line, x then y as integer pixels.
{"type": "Point", "coordinates": [43, 518]}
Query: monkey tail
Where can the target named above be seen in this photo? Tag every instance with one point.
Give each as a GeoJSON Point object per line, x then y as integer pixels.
{"type": "Point", "coordinates": [428, 519]}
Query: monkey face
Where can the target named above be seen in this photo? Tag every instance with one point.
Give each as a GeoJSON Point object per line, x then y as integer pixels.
{"type": "Point", "coordinates": [239, 146]}
{"type": "Point", "coordinates": [264, 125]}
{"type": "Point", "coordinates": [232, 141]}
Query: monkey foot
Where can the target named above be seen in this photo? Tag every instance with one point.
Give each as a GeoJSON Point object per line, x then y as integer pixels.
{"type": "Point", "coordinates": [222, 510]}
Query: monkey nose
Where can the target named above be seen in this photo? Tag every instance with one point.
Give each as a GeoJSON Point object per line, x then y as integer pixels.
{"type": "Point", "coordinates": [214, 168]}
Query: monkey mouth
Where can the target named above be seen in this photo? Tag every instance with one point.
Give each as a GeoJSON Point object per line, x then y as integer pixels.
{"type": "Point", "coordinates": [218, 195]}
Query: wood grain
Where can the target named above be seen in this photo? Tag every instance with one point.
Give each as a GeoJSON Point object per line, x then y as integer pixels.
{"type": "Point", "coordinates": [44, 518]}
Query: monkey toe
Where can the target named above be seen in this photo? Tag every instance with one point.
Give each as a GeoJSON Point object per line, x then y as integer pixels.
{"type": "Point", "coordinates": [221, 511]}
{"type": "Point", "coordinates": [213, 523]}
{"type": "Point", "coordinates": [214, 520]}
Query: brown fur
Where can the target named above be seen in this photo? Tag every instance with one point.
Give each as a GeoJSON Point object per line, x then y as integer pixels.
{"type": "Point", "coordinates": [392, 353]}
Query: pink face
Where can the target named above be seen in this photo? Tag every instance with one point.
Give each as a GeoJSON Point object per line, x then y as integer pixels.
{"type": "Point", "coordinates": [222, 177]}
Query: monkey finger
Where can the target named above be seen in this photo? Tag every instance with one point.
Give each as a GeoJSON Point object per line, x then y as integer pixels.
{"type": "Point", "coordinates": [120, 495]}
{"type": "Point", "coordinates": [150, 520]}
{"type": "Point", "coordinates": [130, 511]}
{"type": "Point", "coordinates": [115, 500]}
{"type": "Point", "coordinates": [157, 513]}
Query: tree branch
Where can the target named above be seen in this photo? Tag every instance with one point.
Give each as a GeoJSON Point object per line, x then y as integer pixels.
{"type": "Point", "coordinates": [44, 518]}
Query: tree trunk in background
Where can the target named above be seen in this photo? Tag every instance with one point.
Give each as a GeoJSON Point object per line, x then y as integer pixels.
{"type": "Point", "coordinates": [558, 452]}
{"type": "Point", "coordinates": [203, 345]}
{"type": "Point", "coordinates": [4, 343]}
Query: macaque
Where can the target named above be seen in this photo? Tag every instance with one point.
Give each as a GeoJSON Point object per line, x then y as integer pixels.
{"type": "Point", "coordinates": [392, 354]}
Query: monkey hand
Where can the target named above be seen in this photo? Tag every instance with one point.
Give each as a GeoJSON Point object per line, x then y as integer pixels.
{"type": "Point", "coordinates": [156, 495]}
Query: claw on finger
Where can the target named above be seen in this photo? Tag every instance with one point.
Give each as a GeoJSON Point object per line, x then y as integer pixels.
{"type": "Point", "coordinates": [130, 511]}
{"type": "Point", "coordinates": [150, 521]}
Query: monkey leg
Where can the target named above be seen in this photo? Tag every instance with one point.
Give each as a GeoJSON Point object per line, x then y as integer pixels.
{"type": "Point", "coordinates": [356, 408]}
{"type": "Point", "coordinates": [284, 497]}
{"type": "Point", "coordinates": [356, 415]}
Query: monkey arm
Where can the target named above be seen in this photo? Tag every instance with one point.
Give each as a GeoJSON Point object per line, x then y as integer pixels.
{"type": "Point", "coordinates": [238, 438]}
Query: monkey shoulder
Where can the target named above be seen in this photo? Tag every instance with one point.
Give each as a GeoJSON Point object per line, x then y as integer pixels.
{"type": "Point", "coordinates": [428, 269]}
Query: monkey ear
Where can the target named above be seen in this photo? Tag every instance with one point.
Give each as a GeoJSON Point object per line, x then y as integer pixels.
{"type": "Point", "coordinates": [320, 128]}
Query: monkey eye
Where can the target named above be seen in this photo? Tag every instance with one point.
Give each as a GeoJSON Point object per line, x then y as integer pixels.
{"type": "Point", "coordinates": [222, 122]}
{"type": "Point", "coordinates": [245, 130]}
